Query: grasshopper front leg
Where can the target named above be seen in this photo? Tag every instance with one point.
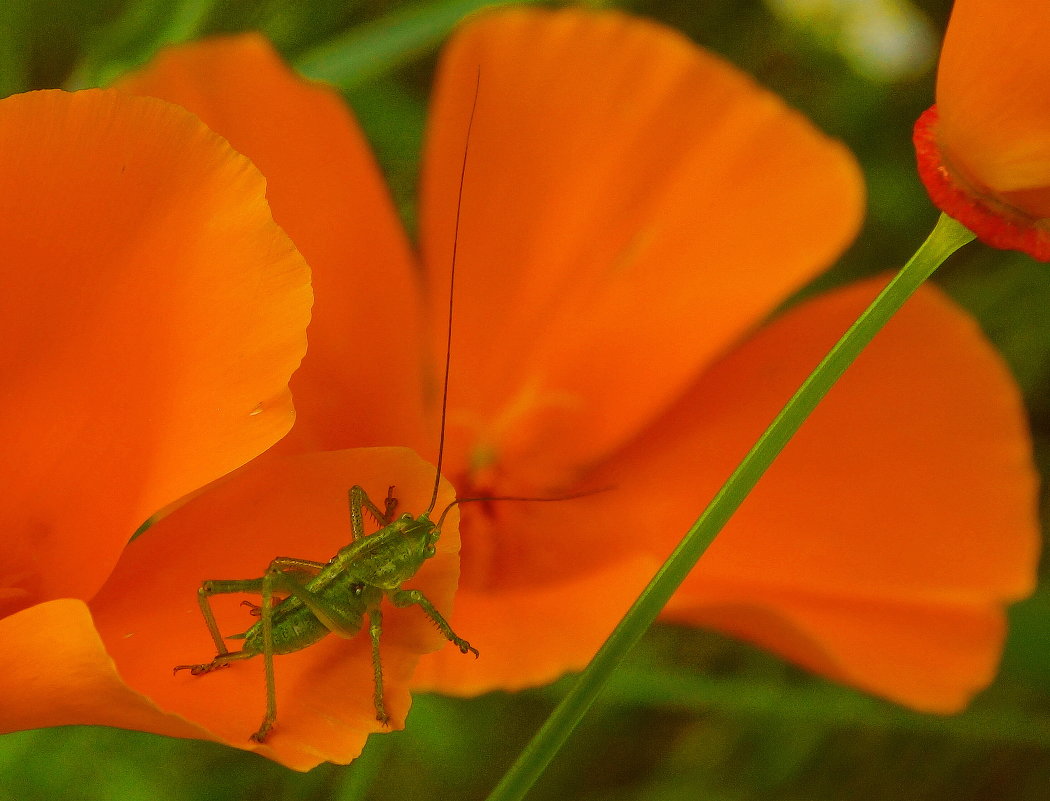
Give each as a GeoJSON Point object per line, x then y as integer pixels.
{"type": "Point", "coordinates": [402, 598]}
{"type": "Point", "coordinates": [360, 503]}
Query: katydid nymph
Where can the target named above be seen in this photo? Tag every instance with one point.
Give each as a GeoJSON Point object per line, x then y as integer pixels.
{"type": "Point", "coordinates": [337, 597]}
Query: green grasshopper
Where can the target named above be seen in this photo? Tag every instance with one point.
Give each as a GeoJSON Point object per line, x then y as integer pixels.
{"type": "Point", "coordinates": [335, 597]}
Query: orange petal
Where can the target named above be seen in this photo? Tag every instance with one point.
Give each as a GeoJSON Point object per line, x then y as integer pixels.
{"type": "Point", "coordinates": [883, 544]}
{"type": "Point", "coordinates": [631, 205]}
{"type": "Point", "coordinates": [361, 382]}
{"type": "Point", "coordinates": [530, 635]}
{"type": "Point", "coordinates": [57, 672]}
{"type": "Point", "coordinates": [152, 313]}
{"type": "Point", "coordinates": [148, 618]}
{"type": "Point", "coordinates": [931, 656]}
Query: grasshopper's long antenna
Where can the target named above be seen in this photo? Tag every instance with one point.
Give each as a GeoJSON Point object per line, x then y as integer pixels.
{"type": "Point", "coordinates": [529, 498]}
{"type": "Point", "coordinates": [451, 294]}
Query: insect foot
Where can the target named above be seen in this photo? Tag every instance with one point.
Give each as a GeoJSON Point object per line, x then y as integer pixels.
{"type": "Point", "coordinates": [264, 732]}
{"type": "Point", "coordinates": [465, 646]}
{"type": "Point", "coordinates": [208, 667]}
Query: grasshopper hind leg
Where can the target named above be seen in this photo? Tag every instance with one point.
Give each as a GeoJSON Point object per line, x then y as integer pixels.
{"type": "Point", "coordinates": [375, 630]}
{"type": "Point", "coordinates": [280, 575]}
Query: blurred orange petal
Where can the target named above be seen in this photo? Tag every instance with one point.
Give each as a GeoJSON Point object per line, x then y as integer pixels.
{"type": "Point", "coordinates": [930, 656]}
{"type": "Point", "coordinates": [63, 675]}
{"type": "Point", "coordinates": [152, 313]}
{"type": "Point", "coordinates": [622, 185]}
{"type": "Point", "coordinates": [883, 544]}
{"type": "Point", "coordinates": [148, 618]}
{"type": "Point", "coordinates": [984, 152]}
{"type": "Point", "coordinates": [328, 194]}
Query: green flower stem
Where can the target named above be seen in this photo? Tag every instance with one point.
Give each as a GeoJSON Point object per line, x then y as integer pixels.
{"type": "Point", "coordinates": [947, 237]}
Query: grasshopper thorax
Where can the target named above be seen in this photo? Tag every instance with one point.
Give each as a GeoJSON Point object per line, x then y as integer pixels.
{"type": "Point", "coordinates": [393, 554]}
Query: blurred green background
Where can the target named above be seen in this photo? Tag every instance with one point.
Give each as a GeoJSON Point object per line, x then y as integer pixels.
{"type": "Point", "coordinates": [692, 715]}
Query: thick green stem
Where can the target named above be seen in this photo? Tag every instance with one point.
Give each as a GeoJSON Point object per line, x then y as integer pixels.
{"type": "Point", "coordinates": [947, 237]}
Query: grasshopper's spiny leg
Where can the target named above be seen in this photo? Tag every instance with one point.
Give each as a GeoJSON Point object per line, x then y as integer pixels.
{"type": "Point", "coordinates": [287, 564]}
{"type": "Point", "coordinates": [283, 576]}
{"type": "Point", "coordinates": [273, 573]}
{"type": "Point", "coordinates": [402, 598]}
{"type": "Point", "coordinates": [360, 502]}
{"type": "Point", "coordinates": [216, 587]}
{"type": "Point", "coordinates": [220, 661]}
{"type": "Point", "coordinates": [281, 579]}
{"type": "Point", "coordinates": [331, 617]}
{"type": "Point", "coordinates": [279, 576]}
{"type": "Point", "coordinates": [375, 629]}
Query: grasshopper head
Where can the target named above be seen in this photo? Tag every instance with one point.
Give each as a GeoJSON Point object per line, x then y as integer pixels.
{"type": "Point", "coordinates": [422, 533]}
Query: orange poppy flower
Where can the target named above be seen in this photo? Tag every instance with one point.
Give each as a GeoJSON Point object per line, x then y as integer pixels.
{"type": "Point", "coordinates": [984, 148]}
{"type": "Point", "coordinates": [633, 209]}
{"type": "Point", "coordinates": [158, 364]}
{"type": "Point", "coordinates": [152, 314]}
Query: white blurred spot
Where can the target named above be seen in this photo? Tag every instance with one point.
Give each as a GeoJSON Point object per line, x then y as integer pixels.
{"type": "Point", "coordinates": [883, 40]}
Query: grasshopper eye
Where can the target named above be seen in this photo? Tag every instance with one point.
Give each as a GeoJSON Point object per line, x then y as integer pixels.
{"type": "Point", "coordinates": [429, 551]}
